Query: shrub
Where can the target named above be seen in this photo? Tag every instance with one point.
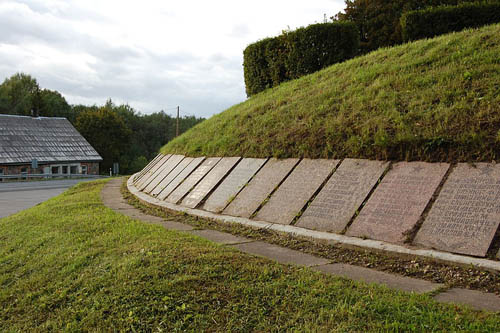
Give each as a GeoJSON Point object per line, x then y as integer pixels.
{"type": "Point", "coordinates": [291, 55]}
{"type": "Point", "coordinates": [434, 21]}
{"type": "Point", "coordinates": [378, 20]}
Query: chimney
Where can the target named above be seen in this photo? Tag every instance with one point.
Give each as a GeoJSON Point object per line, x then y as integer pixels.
{"type": "Point", "coordinates": [34, 113]}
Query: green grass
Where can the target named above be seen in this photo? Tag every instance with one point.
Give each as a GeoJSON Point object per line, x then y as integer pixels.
{"type": "Point", "coordinates": [432, 100]}
{"type": "Point", "coordinates": [72, 264]}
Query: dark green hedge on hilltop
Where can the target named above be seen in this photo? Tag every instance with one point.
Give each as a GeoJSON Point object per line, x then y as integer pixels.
{"type": "Point", "coordinates": [291, 55]}
{"type": "Point", "coordinates": [434, 21]}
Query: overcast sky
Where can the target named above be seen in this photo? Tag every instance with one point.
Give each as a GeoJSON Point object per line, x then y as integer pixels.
{"type": "Point", "coordinates": [152, 55]}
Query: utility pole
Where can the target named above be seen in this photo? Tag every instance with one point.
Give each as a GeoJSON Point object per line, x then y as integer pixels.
{"type": "Point", "coordinates": [177, 127]}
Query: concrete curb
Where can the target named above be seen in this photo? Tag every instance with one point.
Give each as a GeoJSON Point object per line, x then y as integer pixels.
{"type": "Point", "coordinates": [347, 241]}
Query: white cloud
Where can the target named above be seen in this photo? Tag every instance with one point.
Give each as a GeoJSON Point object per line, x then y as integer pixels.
{"type": "Point", "coordinates": [151, 54]}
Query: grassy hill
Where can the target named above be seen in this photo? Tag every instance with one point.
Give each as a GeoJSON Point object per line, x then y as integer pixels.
{"type": "Point", "coordinates": [433, 100]}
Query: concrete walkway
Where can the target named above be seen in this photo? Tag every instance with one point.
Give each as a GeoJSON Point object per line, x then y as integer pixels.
{"type": "Point", "coordinates": [113, 199]}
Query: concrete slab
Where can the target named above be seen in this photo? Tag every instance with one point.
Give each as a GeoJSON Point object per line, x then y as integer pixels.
{"type": "Point", "coordinates": [161, 173]}
{"type": "Point", "coordinates": [146, 177]}
{"type": "Point", "coordinates": [186, 172]}
{"type": "Point", "coordinates": [192, 180]}
{"type": "Point", "coordinates": [291, 197]}
{"type": "Point", "coordinates": [233, 183]}
{"type": "Point", "coordinates": [398, 201]}
{"type": "Point", "coordinates": [209, 182]}
{"type": "Point", "coordinates": [137, 214]}
{"type": "Point", "coordinates": [281, 254]}
{"type": "Point", "coordinates": [147, 168]}
{"type": "Point", "coordinates": [259, 188]}
{"type": "Point", "coordinates": [342, 195]}
{"type": "Point", "coordinates": [171, 176]}
{"type": "Point", "coordinates": [368, 275]}
{"type": "Point", "coordinates": [476, 299]}
{"type": "Point", "coordinates": [466, 214]}
{"type": "Point", "coordinates": [220, 237]}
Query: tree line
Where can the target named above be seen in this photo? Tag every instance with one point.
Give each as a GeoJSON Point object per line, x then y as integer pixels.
{"type": "Point", "coordinates": [118, 132]}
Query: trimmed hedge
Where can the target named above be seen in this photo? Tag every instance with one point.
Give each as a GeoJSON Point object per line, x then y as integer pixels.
{"type": "Point", "coordinates": [291, 55]}
{"type": "Point", "coordinates": [434, 21]}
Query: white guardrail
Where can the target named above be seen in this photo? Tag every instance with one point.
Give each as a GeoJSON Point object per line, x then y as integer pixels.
{"type": "Point", "coordinates": [48, 175]}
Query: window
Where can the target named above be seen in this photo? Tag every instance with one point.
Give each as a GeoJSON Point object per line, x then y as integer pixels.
{"type": "Point", "coordinates": [84, 169]}
{"type": "Point", "coordinates": [65, 169]}
{"type": "Point", "coordinates": [55, 170]}
{"type": "Point", "coordinates": [73, 169]}
{"type": "Point", "coordinates": [1, 174]}
{"type": "Point", "coordinates": [24, 172]}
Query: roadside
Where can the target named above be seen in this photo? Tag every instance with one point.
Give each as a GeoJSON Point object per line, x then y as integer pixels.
{"type": "Point", "coordinates": [17, 196]}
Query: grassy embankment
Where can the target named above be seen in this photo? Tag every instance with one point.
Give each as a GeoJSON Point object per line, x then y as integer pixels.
{"type": "Point", "coordinates": [432, 100]}
{"type": "Point", "coordinates": [73, 264]}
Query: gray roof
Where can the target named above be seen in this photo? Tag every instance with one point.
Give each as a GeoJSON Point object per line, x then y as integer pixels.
{"type": "Point", "coordinates": [23, 139]}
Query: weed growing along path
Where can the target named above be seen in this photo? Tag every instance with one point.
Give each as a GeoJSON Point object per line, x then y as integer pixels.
{"type": "Point", "coordinates": [73, 264]}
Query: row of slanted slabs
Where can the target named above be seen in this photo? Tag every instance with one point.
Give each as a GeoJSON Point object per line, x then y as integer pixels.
{"type": "Point", "coordinates": [343, 194]}
{"type": "Point", "coordinates": [233, 183]}
{"type": "Point", "coordinates": [147, 168]}
{"type": "Point", "coordinates": [152, 171]}
{"type": "Point", "coordinates": [463, 219]}
{"type": "Point", "coordinates": [294, 193]}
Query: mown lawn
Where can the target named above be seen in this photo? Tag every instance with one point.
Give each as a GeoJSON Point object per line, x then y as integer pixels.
{"type": "Point", "coordinates": [72, 264]}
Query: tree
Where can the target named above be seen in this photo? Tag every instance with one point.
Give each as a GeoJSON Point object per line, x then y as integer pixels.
{"type": "Point", "coordinates": [19, 94]}
{"type": "Point", "coordinates": [378, 20]}
{"type": "Point", "coordinates": [53, 104]}
{"type": "Point", "coordinates": [106, 131]}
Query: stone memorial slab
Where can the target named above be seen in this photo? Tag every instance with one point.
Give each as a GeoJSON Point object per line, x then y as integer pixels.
{"type": "Point", "coordinates": [152, 171]}
{"type": "Point", "coordinates": [296, 190]}
{"type": "Point", "coordinates": [171, 176]}
{"type": "Point", "coordinates": [192, 180]}
{"type": "Point", "coordinates": [147, 167]}
{"type": "Point", "coordinates": [259, 188]}
{"type": "Point", "coordinates": [465, 216]}
{"type": "Point", "coordinates": [180, 178]}
{"type": "Point", "coordinates": [398, 202]}
{"type": "Point", "coordinates": [209, 182]}
{"type": "Point", "coordinates": [163, 172]}
{"type": "Point", "coordinates": [342, 195]}
{"type": "Point", "coordinates": [233, 183]}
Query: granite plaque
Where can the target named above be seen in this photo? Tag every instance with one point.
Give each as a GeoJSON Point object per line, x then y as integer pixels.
{"type": "Point", "coordinates": [296, 190]}
{"type": "Point", "coordinates": [259, 188]}
{"type": "Point", "coordinates": [154, 169]}
{"type": "Point", "coordinates": [147, 167]}
{"type": "Point", "coordinates": [209, 182]}
{"type": "Point", "coordinates": [233, 183]}
{"type": "Point", "coordinates": [180, 178]}
{"type": "Point", "coordinates": [466, 214]}
{"type": "Point", "coordinates": [192, 180]}
{"type": "Point", "coordinates": [163, 172]}
{"type": "Point", "coordinates": [398, 202]}
{"type": "Point", "coordinates": [171, 176]}
{"type": "Point", "coordinates": [342, 195]}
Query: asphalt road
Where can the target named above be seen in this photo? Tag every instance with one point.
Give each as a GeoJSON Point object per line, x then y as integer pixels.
{"type": "Point", "coordinates": [17, 196]}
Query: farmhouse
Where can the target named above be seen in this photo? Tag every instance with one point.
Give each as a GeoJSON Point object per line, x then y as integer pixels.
{"type": "Point", "coordinates": [42, 145]}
